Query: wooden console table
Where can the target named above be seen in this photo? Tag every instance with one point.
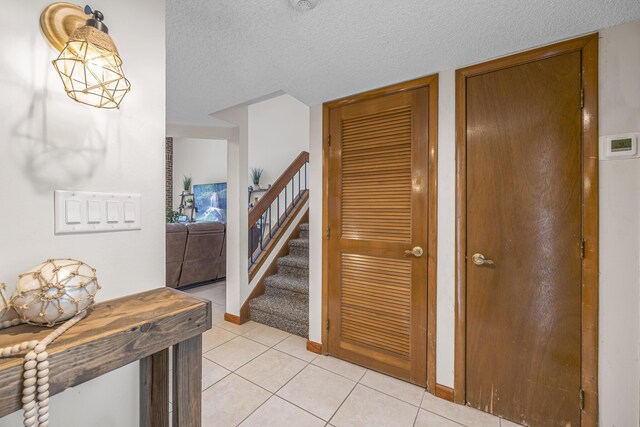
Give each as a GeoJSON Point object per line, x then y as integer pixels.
{"type": "Point", "coordinates": [116, 333]}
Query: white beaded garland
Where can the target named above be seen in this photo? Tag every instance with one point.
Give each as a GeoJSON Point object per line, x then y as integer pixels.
{"type": "Point", "coordinates": [35, 393]}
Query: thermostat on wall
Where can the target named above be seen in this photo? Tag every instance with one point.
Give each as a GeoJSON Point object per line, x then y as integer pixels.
{"type": "Point", "coordinates": [624, 146]}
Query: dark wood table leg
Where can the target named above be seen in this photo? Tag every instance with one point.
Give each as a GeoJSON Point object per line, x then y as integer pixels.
{"type": "Point", "coordinates": [187, 383]}
{"type": "Point", "coordinates": [154, 390]}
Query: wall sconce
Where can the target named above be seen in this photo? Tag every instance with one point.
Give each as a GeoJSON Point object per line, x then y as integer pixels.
{"type": "Point", "coordinates": [88, 64]}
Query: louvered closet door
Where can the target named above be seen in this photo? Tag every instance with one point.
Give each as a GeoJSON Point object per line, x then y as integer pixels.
{"type": "Point", "coordinates": [377, 211]}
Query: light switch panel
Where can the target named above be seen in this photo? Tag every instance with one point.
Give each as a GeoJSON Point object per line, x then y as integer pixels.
{"type": "Point", "coordinates": [90, 212]}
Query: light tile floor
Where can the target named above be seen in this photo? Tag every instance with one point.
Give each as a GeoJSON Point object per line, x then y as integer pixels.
{"type": "Point", "coordinates": [254, 375]}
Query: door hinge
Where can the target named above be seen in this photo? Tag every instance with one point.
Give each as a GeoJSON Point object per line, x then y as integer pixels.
{"type": "Point", "coordinates": [326, 326]}
{"type": "Point", "coordinates": [329, 140]}
{"type": "Point", "coordinates": [582, 245]}
{"type": "Point", "coordinates": [581, 97]}
{"type": "Point", "coordinates": [328, 233]}
{"type": "Point", "coordinates": [581, 399]}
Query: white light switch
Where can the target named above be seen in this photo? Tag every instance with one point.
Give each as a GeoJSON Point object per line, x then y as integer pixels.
{"type": "Point", "coordinates": [88, 212]}
{"type": "Point", "coordinates": [73, 212]}
{"type": "Point", "coordinates": [113, 214]}
{"type": "Point", "coordinates": [94, 212]}
{"type": "Point", "coordinates": [129, 212]}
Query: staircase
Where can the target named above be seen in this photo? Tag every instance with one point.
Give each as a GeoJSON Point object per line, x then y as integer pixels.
{"type": "Point", "coordinates": [285, 303]}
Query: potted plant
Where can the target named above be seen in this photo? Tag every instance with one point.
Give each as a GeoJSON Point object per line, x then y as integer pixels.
{"type": "Point", "coordinates": [186, 184]}
{"type": "Point", "coordinates": [256, 173]}
{"type": "Point", "coordinates": [172, 216]}
{"type": "Point", "coordinates": [189, 202]}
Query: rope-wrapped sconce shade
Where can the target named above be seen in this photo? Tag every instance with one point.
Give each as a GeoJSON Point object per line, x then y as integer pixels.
{"type": "Point", "coordinates": [90, 66]}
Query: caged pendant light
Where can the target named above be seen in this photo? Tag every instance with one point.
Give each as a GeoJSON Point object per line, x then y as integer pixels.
{"type": "Point", "coordinates": [89, 64]}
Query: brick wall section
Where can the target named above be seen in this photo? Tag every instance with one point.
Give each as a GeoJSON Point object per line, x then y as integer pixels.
{"type": "Point", "coordinates": [169, 172]}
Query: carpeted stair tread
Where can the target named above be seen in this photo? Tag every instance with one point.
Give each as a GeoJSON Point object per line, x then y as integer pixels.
{"type": "Point", "coordinates": [299, 247]}
{"type": "Point", "coordinates": [275, 321]}
{"type": "Point", "coordinates": [294, 261]}
{"type": "Point", "coordinates": [289, 308]}
{"type": "Point", "coordinates": [304, 226]}
{"type": "Point", "coordinates": [288, 283]}
{"type": "Point", "coordinates": [302, 243]}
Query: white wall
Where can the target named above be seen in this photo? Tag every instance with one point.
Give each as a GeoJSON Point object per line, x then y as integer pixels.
{"type": "Point", "coordinates": [315, 224]}
{"type": "Point", "coordinates": [446, 228]}
{"type": "Point", "coordinates": [619, 346]}
{"type": "Point", "coordinates": [204, 160]}
{"type": "Point", "coordinates": [619, 231]}
{"type": "Point", "coordinates": [278, 132]}
{"type": "Point", "coordinates": [49, 142]}
{"type": "Point", "coordinates": [237, 277]}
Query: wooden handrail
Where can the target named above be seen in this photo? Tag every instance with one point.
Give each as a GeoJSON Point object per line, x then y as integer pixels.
{"type": "Point", "coordinates": [272, 193]}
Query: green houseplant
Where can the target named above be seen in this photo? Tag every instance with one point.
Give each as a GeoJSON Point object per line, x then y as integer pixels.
{"type": "Point", "coordinates": [186, 184]}
{"type": "Point", "coordinates": [172, 216]}
{"type": "Point", "coordinates": [256, 174]}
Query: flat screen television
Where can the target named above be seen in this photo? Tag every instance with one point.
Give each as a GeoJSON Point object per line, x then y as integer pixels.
{"type": "Point", "coordinates": [211, 202]}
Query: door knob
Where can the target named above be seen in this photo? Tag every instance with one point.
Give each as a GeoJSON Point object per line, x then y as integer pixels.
{"type": "Point", "coordinates": [416, 252]}
{"type": "Point", "coordinates": [479, 259]}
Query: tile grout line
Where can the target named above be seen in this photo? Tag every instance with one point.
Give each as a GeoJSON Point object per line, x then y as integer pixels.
{"type": "Point", "coordinates": [259, 406]}
{"type": "Point", "coordinates": [420, 408]}
{"type": "Point", "coordinates": [422, 400]}
{"type": "Point", "coordinates": [447, 418]}
{"type": "Point", "coordinates": [224, 342]}
{"type": "Point", "coordinates": [235, 372]}
{"type": "Point", "coordinates": [291, 403]}
{"type": "Point", "coordinates": [342, 403]}
{"type": "Point", "coordinates": [236, 336]}
{"type": "Point", "coordinates": [288, 335]}
{"type": "Point", "coordinates": [340, 375]}
{"type": "Point", "coordinates": [225, 376]}
{"type": "Point", "coordinates": [290, 379]}
{"type": "Point", "coordinates": [415, 420]}
{"type": "Point", "coordinates": [249, 361]}
{"type": "Point", "coordinates": [388, 395]}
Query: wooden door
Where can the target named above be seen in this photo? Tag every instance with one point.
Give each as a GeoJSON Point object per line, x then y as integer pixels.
{"type": "Point", "coordinates": [523, 213]}
{"type": "Point", "coordinates": [378, 189]}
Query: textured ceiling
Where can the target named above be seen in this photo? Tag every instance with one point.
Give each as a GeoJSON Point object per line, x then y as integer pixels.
{"type": "Point", "coordinates": [221, 53]}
